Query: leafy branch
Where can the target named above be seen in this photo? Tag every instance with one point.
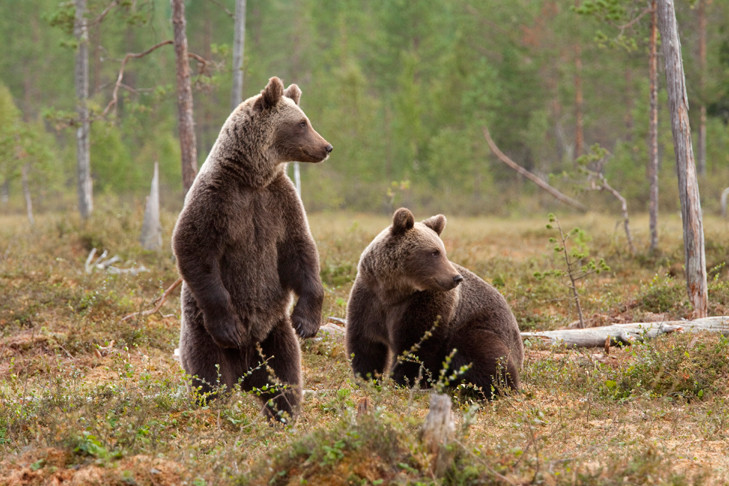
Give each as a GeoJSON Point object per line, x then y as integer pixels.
{"type": "Point", "coordinates": [571, 247]}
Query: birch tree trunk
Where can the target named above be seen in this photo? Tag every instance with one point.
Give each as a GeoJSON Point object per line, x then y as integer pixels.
{"type": "Point", "coordinates": [688, 186]}
{"type": "Point", "coordinates": [188, 144]}
{"type": "Point", "coordinates": [239, 38]}
{"type": "Point", "coordinates": [653, 130]}
{"type": "Point", "coordinates": [26, 193]}
{"type": "Point", "coordinates": [83, 159]}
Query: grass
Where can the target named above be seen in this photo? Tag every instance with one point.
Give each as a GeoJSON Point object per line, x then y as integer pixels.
{"type": "Point", "coordinates": [89, 398]}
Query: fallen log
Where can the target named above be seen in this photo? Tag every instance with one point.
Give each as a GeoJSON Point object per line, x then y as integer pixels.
{"type": "Point", "coordinates": [626, 333]}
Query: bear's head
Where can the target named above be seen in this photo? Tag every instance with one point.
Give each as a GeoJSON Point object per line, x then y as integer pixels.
{"type": "Point", "coordinates": [293, 138]}
{"type": "Point", "coordinates": [265, 131]}
{"type": "Point", "coordinates": [409, 256]}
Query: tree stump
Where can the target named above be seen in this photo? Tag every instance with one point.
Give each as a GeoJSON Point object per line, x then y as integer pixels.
{"type": "Point", "coordinates": [151, 228]}
{"type": "Point", "coordinates": [438, 432]}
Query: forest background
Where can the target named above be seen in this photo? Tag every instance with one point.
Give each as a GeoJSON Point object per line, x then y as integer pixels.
{"type": "Point", "coordinates": [401, 89]}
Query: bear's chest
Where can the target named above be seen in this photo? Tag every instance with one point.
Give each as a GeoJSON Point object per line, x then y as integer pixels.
{"type": "Point", "coordinates": [256, 223]}
{"type": "Point", "coordinates": [423, 313]}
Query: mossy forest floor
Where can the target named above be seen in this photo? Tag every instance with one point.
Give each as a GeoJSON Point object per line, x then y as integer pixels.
{"type": "Point", "coordinates": [87, 398]}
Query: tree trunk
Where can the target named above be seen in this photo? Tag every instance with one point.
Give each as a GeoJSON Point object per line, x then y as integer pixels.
{"type": "Point", "coordinates": [239, 38]}
{"type": "Point", "coordinates": [653, 130]}
{"type": "Point", "coordinates": [26, 193]}
{"type": "Point", "coordinates": [151, 228]}
{"type": "Point", "coordinates": [188, 148]}
{"type": "Point", "coordinates": [438, 432]}
{"type": "Point", "coordinates": [594, 337]}
{"type": "Point", "coordinates": [688, 186]}
{"type": "Point", "coordinates": [579, 121]}
{"type": "Point", "coordinates": [83, 160]}
{"type": "Point", "coordinates": [701, 167]}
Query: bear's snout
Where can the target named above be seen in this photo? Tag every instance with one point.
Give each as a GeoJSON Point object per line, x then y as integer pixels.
{"type": "Point", "coordinates": [458, 279]}
{"type": "Point", "coordinates": [329, 148]}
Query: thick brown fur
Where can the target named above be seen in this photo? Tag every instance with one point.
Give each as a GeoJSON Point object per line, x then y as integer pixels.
{"type": "Point", "coordinates": [405, 287]}
{"type": "Point", "coordinates": [244, 247]}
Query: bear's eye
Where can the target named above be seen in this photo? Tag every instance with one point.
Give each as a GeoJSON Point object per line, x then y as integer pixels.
{"type": "Point", "coordinates": [435, 253]}
{"type": "Point", "coordinates": [302, 124]}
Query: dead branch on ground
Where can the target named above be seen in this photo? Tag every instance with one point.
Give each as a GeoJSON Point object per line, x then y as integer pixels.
{"type": "Point", "coordinates": [158, 302]}
{"type": "Point", "coordinates": [626, 334]}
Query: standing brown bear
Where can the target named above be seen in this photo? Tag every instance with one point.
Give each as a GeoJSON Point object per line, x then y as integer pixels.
{"type": "Point", "coordinates": [243, 246]}
{"type": "Point", "coordinates": [406, 287]}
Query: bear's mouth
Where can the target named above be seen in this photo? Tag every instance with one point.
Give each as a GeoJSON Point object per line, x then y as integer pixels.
{"type": "Point", "coordinates": [448, 283]}
{"type": "Point", "coordinates": [314, 158]}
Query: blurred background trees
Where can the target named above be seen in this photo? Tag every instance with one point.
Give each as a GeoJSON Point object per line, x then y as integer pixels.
{"type": "Point", "coordinates": [401, 89]}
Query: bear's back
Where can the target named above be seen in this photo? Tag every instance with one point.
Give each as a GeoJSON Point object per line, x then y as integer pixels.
{"type": "Point", "coordinates": [481, 303]}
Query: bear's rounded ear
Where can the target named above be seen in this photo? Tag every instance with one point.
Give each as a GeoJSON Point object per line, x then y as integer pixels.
{"type": "Point", "coordinates": [436, 223]}
{"type": "Point", "coordinates": [402, 221]}
{"type": "Point", "coordinates": [293, 92]}
{"type": "Point", "coordinates": [270, 95]}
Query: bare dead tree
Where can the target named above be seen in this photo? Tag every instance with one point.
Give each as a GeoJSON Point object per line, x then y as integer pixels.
{"type": "Point", "coordinates": [593, 164]}
{"type": "Point", "coordinates": [83, 159]}
{"type": "Point", "coordinates": [239, 38]}
{"type": "Point", "coordinates": [151, 238]}
{"type": "Point", "coordinates": [653, 129]}
{"type": "Point", "coordinates": [701, 166]}
{"type": "Point", "coordinates": [688, 186]}
{"type": "Point", "coordinates": [188, 144]}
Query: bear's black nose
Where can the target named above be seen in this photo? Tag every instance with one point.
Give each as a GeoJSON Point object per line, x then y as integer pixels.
{"type": "Point", "coordinates": [329, 148]}
{"type": "Point", "coordinates": [458, 279]}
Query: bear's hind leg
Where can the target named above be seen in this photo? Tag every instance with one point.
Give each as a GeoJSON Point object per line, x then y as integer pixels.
{"type": "Point", "coordinates": [281, 355]}
{"type": "Point", "coordinates": [200, 357]}
{"type": "Point", "coordinates": [490, 368]}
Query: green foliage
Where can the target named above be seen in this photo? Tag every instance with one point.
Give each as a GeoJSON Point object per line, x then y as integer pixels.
{"type": "Point", "coordinates": [681, 368]}
{"type": "Point", "coordinates": [571, 248]}
{"type": "Point", "coordinates": [401, 90]}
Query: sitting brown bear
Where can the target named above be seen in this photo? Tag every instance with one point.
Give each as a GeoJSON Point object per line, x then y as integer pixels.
{"type": "Point", "coordinates": [406, 287]}
{"type": "Point", "coordinates": [243, 248]}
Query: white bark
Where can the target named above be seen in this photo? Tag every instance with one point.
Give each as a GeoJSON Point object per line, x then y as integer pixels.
{"type": "Point", "coordinates": [438, 432]}
{"type": "Point", "coordinates": [151, 228]}
{"type": "Point", "coordinates": [83, 160]}
{"type": "Point", "coordinates": [627, 333]}
{"type": "Point", "coordinates": [239, 39]}
{"type": "Point", "coordinates": [26, 194]}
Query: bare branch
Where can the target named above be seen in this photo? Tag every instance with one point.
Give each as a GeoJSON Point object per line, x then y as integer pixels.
{"type": "Point", "coordinates": [632, 22]}
{"type": "Point", "coordinates": [120, 77]}
{"type": "Point", "coordinates": [201, 60]}
{"type": "Point", "coordinates": [539, 182]}
{"type": "Point", "coordinates": [159, 302]}
{"type": "Point", "coordinates": [104, 13]}
{"type": "Point", "coordinates": [222, 7]}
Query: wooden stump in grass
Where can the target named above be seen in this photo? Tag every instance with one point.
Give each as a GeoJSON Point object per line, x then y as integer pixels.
{"type": "Point", "coordinates": [151, 228]}
{"type": "Point", "coordinates": [438, 432]}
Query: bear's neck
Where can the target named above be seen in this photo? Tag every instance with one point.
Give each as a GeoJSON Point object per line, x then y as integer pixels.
{"type": "Point", "coordinates": [247, 170]}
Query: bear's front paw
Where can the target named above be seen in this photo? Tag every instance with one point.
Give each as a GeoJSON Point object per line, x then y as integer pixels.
{"type": "Point", "coordinates": [227, 333]}
{"type": "Point", "coordinates": [304, 327]}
